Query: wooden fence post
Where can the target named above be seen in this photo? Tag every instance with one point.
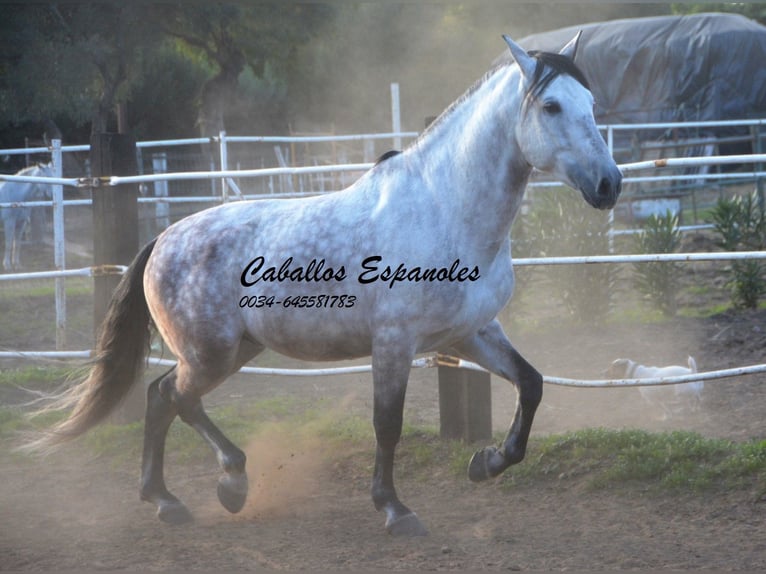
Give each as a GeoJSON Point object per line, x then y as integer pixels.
{"type": "Point", "coordinates": [465, 404]}
{"type": "Point", "coordinates": [115, 233]}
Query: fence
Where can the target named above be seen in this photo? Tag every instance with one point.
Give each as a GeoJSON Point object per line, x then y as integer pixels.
{"type": "Point", "coordinates": [229, 186]}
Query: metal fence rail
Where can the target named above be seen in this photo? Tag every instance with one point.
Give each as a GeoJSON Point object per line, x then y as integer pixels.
{"type": "Point", "coordinates": [61, 272]}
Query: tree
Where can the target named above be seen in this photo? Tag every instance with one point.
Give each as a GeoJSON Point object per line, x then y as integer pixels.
{"type": "Point", "coordinates": [78, 59]}
{"type": "Point", "coordinates": [232, 36]}
{"type": "Point", "coordinates": [753, 10]}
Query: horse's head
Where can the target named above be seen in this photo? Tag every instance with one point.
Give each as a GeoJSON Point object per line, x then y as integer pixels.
{"type": "Point", "coordinates": [42, 190]}
{"type": "Point", "coordinates": [557, 132]}
{"type": "Point", "coordinates": [43, 170]}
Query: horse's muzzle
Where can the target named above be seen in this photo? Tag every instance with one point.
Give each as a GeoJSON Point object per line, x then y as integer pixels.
{"type": "Point", "coordinates": [607, 190]}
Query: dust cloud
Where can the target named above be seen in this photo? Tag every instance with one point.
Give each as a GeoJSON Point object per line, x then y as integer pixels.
{"type": "Point", "coordinates": [435, 51]}
{"type": "Point", "coordinates": [285, 472]}
{"type": "Point", "coordinates": [288, 464]}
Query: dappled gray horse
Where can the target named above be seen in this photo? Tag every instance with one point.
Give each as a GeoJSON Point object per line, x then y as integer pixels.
{"type": "Point", "coordinates": [16, 218]}
{"type": "Point", "coordinates": [414, 257]}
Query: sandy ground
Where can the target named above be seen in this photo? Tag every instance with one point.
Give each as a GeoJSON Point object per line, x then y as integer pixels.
{"type": "Point", "coordinates": [308, 511]}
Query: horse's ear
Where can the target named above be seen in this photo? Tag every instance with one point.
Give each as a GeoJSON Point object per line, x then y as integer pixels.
{"type": "Point", "coordinates": [570, 50]}
{"type": "Point", "coordinates": [526, 62]}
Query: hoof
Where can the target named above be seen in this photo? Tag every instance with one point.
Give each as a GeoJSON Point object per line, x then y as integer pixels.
{"type": "Point", "coordinates": [407, 526]}
{"type": "Point", "coordinates": [232, 491]}
{"type": "Point", "coordinates": [485, 464]}
{"type": "Point", "coordinates": [174, 513]}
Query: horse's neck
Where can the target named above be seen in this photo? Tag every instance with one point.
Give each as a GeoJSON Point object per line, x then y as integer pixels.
{"type": "Point", "coordinates": [473, 152]}
{"type": "Point", "coordinates": [25, 191]}
{"type": "Point", "coordinates": [32, 171]}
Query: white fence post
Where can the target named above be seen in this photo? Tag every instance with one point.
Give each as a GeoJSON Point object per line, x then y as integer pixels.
{"type": "Point", "coordinates": [396, 115]}
{"type": "Point", "coordinates": [369, 151]}
{"type": "Point", "coordinates": [59, 244]}
{"type": "Point", "coordinates": [224, 165]}
{"type": "Point", "coordinates": [162, 208]}
{"type": "Point", "coordinates": [610, 147]}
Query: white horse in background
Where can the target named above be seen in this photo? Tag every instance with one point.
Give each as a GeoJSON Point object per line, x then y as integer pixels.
{"type": "Point", "coordinates": [17, 217]}
{"type": "Point", "coordinates": [414, 257]}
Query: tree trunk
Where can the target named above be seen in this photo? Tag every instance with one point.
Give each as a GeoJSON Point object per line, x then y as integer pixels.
{"type": "Point", "coordinates": [218, 93]}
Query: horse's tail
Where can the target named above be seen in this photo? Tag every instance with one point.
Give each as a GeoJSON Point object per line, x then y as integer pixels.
{"type": "Point", "coordinates": [121, 348]}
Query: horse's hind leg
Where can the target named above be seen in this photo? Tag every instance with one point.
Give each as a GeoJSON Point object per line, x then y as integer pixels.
{"type": "Point", "coordinates": [163, 404]}
{"type": "Point", "coordinates": [232, 484]}
{"type": "Point", "coordinates": [178, 393]}
{"type": "Point", "coordinates": [491, 349]}
{"type": "Point", "coordinates": [160, 413]}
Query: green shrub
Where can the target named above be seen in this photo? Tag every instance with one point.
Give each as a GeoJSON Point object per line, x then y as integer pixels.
{"type": "Point", "coordinates": [741, 226]}
{"type": "Point", "coordinates": [562, 224]}
{"type": "Point", "coordinates": [658, 281]}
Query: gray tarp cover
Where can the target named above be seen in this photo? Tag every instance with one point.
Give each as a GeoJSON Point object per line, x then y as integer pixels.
{"type": "Point", "coordinates": [670, 68]}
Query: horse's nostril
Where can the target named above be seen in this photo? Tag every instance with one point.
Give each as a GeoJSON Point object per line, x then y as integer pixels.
{"type": "Point", "coordinates": [604, 187]}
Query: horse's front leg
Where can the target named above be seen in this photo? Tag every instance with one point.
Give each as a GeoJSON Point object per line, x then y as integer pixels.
{"type": "Point", "coordinates": [390, 371]}
{"type": "Point", "coordinates": [18, 236]}
{"type": "Point", "coordinates": [491, 349]}
{"type": "Point", "coordinates": [9, 225]}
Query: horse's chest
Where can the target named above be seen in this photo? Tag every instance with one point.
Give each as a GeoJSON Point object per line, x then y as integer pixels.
{"type": "Point", "coordinates": [461, 311]}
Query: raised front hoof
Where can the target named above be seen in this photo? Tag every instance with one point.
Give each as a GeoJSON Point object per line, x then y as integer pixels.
{"type": "Point", "coordinates": [486, 463]}
{"type": "Point", "coordinates": [174, 513]}
{"type": "Point", "coordinates": [407, 526]}
{"type": "Point", "coordinates": [232, 491]}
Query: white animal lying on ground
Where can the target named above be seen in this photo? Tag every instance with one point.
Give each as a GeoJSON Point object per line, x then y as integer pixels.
{"type": "Point", "coordinates": [663, 396]}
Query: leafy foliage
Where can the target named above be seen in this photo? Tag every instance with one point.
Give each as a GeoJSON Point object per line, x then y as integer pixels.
{"type": "Point", "coordinates": [659, 281]}
{"type": "Point", "coordinates": [741, 226]}
{"type": "Point", "coordinates": [561, 224]}
{"type": "Point", "coordinates": [319, 63]}
{"type": "Point", "coordinates": [74, 59]}
{"type": "Point", "coordinates": [753, 10]}
{"type": "Point", "coordinates": [149, 55]}
{"type": "Point", "coordinates": [231, 38]}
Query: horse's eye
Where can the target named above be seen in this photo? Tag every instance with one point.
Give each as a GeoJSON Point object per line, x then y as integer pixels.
{"type": "Point", "coordinates": [552, 107]}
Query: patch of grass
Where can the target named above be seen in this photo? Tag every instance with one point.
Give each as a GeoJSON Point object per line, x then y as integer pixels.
{"type": "Point", "coordinates": [597, 458]}
{"type": "Point", "coordinates": [295, 419]}
{"type": "Point", "coordinates": [15, 427]}
{"type": "Point", "coordinates": [35, 288]}
{"type": "Point", "coordinates": [11, 421]}
{"type": "Point", "coordinates": [702, 312]}
{"type": "Point", "coordinates": [344, 429]}
{"type": "Point", "coordinates": [459, 455]}
{"type": "Point", "coordinates": [37, 376]}
{"type": "Point", "coordinates": [116, 443]}
{"type": "Point", "coordinates": [637, 316]}
{"type": "Point", "coordinates": [608, 458]}
{"type": "Point", "coordinates": [698, 289]}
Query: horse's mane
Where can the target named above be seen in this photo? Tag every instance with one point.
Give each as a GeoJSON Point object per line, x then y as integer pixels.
{"type": "Point", "coordinates": [387, 155]}
{"type": "Point", "coordinates": [555, 64]}
{"type": "Point", "coordinates": [29, 169]}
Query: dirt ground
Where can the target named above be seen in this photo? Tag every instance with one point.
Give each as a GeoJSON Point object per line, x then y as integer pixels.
{"type": "Point", "coordinates": [306, 511]}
